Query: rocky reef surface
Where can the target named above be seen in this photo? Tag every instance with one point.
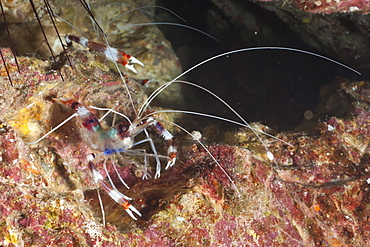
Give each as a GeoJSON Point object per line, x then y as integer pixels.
{"type": "Point", "coordinates": [315, 192]}
{"type": "Point", "coordinates": [338, 28]}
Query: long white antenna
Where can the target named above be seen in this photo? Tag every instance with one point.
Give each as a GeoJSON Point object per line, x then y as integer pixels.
{"type": "Point", "coordinates": [162, 87]}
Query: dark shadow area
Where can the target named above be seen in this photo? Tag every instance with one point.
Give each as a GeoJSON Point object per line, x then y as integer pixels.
{"type": "Point", "coordinates": [274, 87]}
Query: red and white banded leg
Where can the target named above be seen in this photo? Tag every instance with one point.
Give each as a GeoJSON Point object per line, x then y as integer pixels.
{"type": "Point", "coordinates": [171, 144]}
{"type": "Point", "coordinates": [110, 53]}
{"type": "Point", "coordinates": [117, 196]}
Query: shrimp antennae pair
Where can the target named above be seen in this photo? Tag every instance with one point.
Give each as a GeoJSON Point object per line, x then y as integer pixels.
{"type": "Point", "coordinates": [162, 87]}
{"type": "Point", "coordinates": [244, 123]}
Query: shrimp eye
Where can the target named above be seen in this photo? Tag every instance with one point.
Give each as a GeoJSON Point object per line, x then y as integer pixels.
{"type": "Point", "coordinates": [123, 128]}
{"type": "Point", "coordinates": [74, 105]}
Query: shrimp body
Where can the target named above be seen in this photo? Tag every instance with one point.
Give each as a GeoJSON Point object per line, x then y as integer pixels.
{"type": "Point", "coordinates": [119, 139]}
{"type": "Point", "coordinates": [101, 140]}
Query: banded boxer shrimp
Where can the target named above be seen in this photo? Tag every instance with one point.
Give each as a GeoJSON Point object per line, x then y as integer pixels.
{"type": "Point", "coordinates": [141, 122]}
